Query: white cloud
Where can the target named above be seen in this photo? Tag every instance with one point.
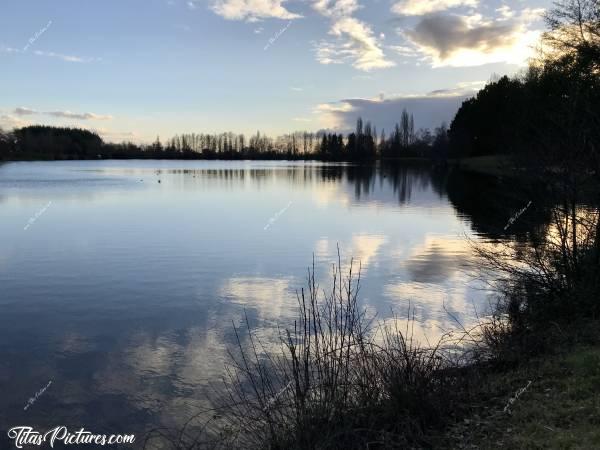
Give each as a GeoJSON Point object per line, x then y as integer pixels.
{"type": "Point", "coordinates": [404, 50]}
{"type": "Point", "coordinates": [252, 10]}
{"type": "Point", "coordinates": [529, 15]}
{"type": "Point", "coordinates": [355, 41]}
{"type": "Point", "coordinates": [331, 53]}
{"type": "Point", "coordinates": [336, 8]}
{"type": "Point", "coordinates": [365, 49]}
{"type": "Point", "coordinates": [422, 7]}
{"type": "Point", "coordinates": [5, 49]}
{"type": "Point", "coordinates": [332, 115]}
{"type": "Point", "coordinates": [17, 119]}
{"type": "Point", "coordinates": [67, 58]}
{"type": "Point", "coordinates": [9, 122]}
{"type": "Point", "coordinates": [505, 12]}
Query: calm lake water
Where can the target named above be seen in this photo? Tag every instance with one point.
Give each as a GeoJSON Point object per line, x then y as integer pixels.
{"type": "Point", "coordinates": [121, 280]}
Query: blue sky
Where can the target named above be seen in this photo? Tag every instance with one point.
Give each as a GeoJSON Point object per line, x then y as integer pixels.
{"type": "Point", "coordinates": [134, 69]}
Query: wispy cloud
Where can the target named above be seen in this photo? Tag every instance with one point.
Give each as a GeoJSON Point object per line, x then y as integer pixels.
{"type": "Point", "coordinates": [505, 12]}
{"type": "Point", "coordinates": [405, 51]}
{"type": "Point", "coordinates": [251, 10]}
{"type": "Point", "coordinates": [63, 57]}
{"type": "Point", "coordinates": [422, 7]}
{"type": "Point", "coordinates": [465, 88]}
{"type": "Point", "coordinates": [84, 116]}
{"type": "Point", "coordinates": [336, 8]}
{"type": "Point", "coordinates": [67, 58]}
{"type": "Point", "coordinates": [22, 111]}
{"type": "Point", "coordinates": [355, 42]}
{"type": "Point", "coordinates": [5, 49]}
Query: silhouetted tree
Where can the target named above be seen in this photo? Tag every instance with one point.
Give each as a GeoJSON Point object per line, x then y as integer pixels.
{"type": "Point", "coordinates": [491, 122]}
{"type": "Point", "coordinates": [6, 145]}
{"type": "Point", "coordinates": [406, 129]}
{"type": "Point", "coordinates": [46, 142]}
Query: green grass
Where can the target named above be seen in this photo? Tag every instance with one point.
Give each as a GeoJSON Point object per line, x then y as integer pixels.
{"type": "Point", "coordinates": [559, 410]}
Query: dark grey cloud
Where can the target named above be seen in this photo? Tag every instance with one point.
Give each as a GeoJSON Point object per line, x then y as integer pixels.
{"type": "Point", "coordinates": [445, 34]}
{"type": "Point", "coordinates": [20, 111]}
{"type": "Point", "coordinates": [83, 116]}
{"type": "Point", "coordinates": [429, 111]}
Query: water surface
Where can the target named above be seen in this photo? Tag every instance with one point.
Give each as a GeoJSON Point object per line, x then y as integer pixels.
{"type": "Point", "coordinates": [121, 280]}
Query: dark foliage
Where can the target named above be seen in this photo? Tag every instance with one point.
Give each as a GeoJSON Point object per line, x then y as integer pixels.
{"type": "Point", "coordinates": [553, 108]}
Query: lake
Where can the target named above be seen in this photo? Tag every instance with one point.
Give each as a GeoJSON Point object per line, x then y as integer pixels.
{"type": "Point", "coordinates": [121, 281]}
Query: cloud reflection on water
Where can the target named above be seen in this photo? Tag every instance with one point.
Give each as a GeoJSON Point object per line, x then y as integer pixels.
{"type": "Point", "coordinates": [137, 286]}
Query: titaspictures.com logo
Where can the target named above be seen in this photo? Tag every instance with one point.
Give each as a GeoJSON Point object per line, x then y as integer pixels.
{"type": "Point", "coordinates": [25, 435]}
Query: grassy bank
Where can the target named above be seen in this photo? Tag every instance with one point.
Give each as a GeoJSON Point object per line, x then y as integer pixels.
{"type": "Point", "coordinates": [550, 402]}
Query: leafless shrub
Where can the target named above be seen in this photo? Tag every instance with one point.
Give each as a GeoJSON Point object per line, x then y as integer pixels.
{"type": "Point", "coordinates": [338, 381]}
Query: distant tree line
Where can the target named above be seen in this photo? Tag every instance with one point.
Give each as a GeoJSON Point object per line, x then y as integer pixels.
{"type": "Point", "coordinates": [364, 143]}
{"type": "Point", "coordinates": [45, 142]}
{"type": "Point", "coordinates": [296, 145]}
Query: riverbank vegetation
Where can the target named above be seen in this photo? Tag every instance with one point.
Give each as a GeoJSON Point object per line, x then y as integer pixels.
{"type": "Point", "coordinates": [339, 380]}
{"type": "Point", "coordinates": [524, 376]}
